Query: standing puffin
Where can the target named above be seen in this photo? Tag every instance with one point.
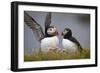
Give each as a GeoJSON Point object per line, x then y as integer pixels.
{"type": "Point", "coordinates": [51, 41]}
{"type": "Point", "coordinates": [69, 43]}
{"type": "Point", "coordinates": [48, 39]}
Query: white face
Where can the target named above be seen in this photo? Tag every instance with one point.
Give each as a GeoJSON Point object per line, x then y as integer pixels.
{"type": "Point", "coordinates": [52, 31]}
{"type": "Point", "coordinates": [65, 32]}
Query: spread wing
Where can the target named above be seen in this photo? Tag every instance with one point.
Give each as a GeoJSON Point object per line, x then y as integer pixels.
{"type": "Point", "coordinates": [47, 21]}
{"type": "Point", "coordinates": [36, 28]}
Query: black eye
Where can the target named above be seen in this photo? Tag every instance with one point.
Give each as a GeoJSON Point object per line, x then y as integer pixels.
{"type": "Point", "coordinates": [50, 29]}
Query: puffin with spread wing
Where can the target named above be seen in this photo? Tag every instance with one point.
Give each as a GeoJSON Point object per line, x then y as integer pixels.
{"type": "Point", "coordinates": [48, 39]}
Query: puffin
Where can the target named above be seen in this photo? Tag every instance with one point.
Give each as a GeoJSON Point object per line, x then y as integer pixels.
{"type": "Point", "coordinates": [49, 38]}
{"type": "Point", "coordinates": [69, 43]}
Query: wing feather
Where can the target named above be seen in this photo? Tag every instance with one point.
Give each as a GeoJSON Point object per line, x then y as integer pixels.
{"type": "Point", "coordinates": [48, 20]}
{"type": "Point", "coordinates": [79, 45]}
{"type": "Point", "coordinates": [36, 28]}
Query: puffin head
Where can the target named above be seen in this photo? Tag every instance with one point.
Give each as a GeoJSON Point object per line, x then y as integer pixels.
{"type": "Point", "coordinates": [51, 31]}
{"type": "Point", "coordinates": [67, 33]}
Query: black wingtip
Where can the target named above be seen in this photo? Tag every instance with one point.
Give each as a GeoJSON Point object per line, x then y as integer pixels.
{"type": "Point", "coordinates": [48, 19]}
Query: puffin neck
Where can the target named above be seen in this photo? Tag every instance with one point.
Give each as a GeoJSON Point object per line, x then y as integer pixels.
{"type": "Point", "coordinates": [47, 35]}
{"type": "Point", "coordinates": [68, 35]}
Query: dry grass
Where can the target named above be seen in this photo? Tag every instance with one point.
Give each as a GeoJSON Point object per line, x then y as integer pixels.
{"type": "Point", "coordinates": [56, 55]}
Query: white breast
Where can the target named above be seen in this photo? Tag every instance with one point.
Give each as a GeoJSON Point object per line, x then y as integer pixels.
{"type": "Point", "coordinates": [69, 46]}
{"type": "Point", "coordinates": [49, 43]}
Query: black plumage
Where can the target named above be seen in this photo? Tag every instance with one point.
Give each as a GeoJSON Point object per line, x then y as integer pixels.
{"type": "Point", "coordinates": [69, 36]}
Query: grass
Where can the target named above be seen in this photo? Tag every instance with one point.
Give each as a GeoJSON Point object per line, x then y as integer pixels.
{"type": "Point", "coordinates": [57, 55]}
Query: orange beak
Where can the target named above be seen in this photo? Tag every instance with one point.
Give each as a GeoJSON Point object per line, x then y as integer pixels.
{"type": "Point", "coordinates": [62, 34]}
{"type": "Point", "coordinates": [57, 33]}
